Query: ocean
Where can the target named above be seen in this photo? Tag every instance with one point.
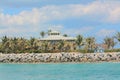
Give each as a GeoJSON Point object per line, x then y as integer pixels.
{"type": "Point", "coordinates": [60, 71]}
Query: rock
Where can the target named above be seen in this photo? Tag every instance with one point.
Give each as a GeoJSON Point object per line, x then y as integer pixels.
{"type": "Point", "coordinates": [58, 57]}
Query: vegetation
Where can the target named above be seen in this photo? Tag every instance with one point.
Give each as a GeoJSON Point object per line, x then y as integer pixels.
{"type": "Point", "coordinates": [65, 35]}
{"type": "Point", "coordinates": [79, 41]}
{"type": "Point", "coordinates": [109, 42]}
{"type": "Point", "coordinates": [33, 45]}
{"type": "Point", "coordinates": [42, 33]}
{"type": "Point", "coordinates": [90, 44]}
{"type": "Point", "coordinates": [118, 36]}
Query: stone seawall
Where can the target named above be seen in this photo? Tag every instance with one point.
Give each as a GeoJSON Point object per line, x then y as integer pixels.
{"type": "Point", "coordinates": [58, 57]}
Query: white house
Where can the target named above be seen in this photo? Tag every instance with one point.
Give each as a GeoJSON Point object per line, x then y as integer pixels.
{"type": "Point", "coordinates": [56, 36]}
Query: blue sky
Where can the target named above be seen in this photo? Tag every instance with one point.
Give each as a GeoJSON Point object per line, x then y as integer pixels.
{"type": "Point", "coordinates": [26, 18]}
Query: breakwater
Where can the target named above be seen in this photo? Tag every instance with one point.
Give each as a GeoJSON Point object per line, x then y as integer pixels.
{"type": "Point", "coordinates": [59, 57]}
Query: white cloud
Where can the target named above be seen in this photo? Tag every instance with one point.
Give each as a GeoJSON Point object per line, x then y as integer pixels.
{"type": "Point", "coordinates": [106, 11]}
{"type": "Point", "coordinates": [114, 15]}
{"type": "Point", "coordinates": [82, 30]}
{"type": "Point", "coordinates": [105, 32]}
{"type": "Point", "coordinates": [54, 27]}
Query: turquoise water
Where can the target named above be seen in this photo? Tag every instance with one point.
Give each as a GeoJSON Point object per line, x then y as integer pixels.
{"type": "Point", "coordinates": [63, 71]}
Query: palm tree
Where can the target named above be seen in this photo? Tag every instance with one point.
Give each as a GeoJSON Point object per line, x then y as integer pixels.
{"type": "Point", "coordinates": [0, 47]}
{"type": "Point", "coordinates": [5, 44]}
{"type": "Point", "coordinates": [4, 39]}
{"type": "Point", "coordinates": [22, 44]}
{"type": "Point", "coordinates": [61, 45]}
{"type": "Point", "coordinates": [6, 47]}
{"type": "Point", "coordinates": [118, 36]}
{"type": "Point", "coordinates": [36, 44]}
{"type": "Point", "coordinates": [44, 46]}
{"type": "Point", "coordinates": [79, 41]}
{"type": "Point", "coordinates": [65, 35]}
{"type": "Point", "coordinates": [31, 44]}
{"type": "Point", "coordinates": [113, 43]}
{"type": "Point", "coordinates": [15, 44]}
{"type": "Point", "coordinates": [31, 41]}
{"type": "Point", "coordinates": [42, 33]}
{"type": "Point", "coordinates": [90, 43]}
{"type": "Point", "coordinates": [109, 42]}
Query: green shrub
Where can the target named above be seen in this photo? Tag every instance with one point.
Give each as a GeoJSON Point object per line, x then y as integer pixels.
{"type": "Point", "coordinates": [113, 50]}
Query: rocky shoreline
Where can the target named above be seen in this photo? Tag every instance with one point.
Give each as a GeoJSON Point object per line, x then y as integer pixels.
{"type": "Point", "coordinates": [59, 57]}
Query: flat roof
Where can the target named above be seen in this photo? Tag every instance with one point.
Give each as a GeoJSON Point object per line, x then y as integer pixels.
{"type": "Point", "coordinates": [58, 37]}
